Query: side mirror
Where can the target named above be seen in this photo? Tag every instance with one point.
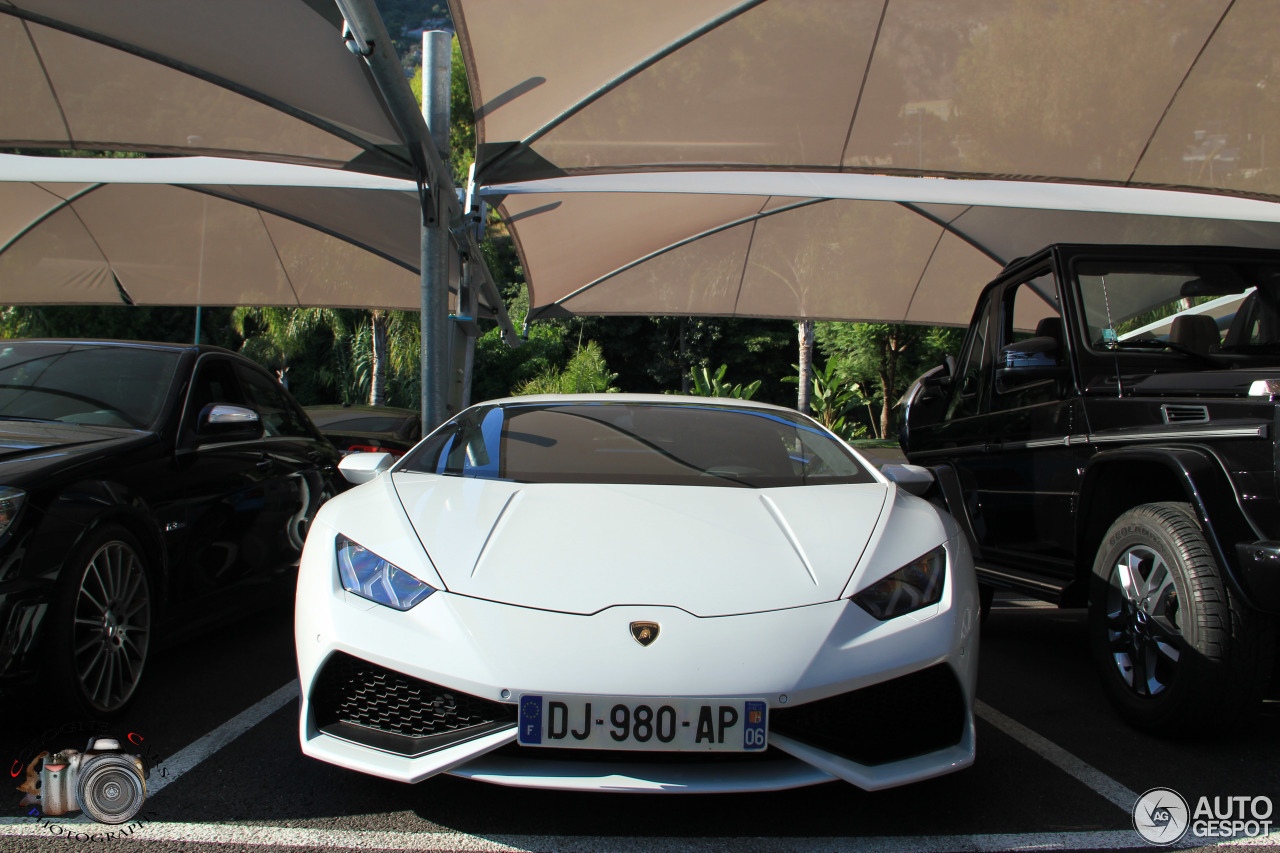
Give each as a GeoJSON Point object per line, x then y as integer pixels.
{"type": "Point", "coordinates": [913, 478]}
{"type": "Point", "coordinates": [224, 422]}
{"type": "Point", "coordinates": [360, 468]}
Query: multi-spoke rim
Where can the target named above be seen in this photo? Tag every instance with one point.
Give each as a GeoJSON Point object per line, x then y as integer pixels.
{"type": "Point", "coordinates": [112, 626]}
{"type": "Point", "coordinates": [1144, 621]}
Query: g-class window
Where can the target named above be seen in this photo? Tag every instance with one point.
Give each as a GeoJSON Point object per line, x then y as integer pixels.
{"type": "Point", "coordinates": [1193, 307]}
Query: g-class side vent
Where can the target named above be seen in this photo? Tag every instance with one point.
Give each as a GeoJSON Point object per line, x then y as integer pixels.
{"type": "Point", "coordinates": [1185, 414]}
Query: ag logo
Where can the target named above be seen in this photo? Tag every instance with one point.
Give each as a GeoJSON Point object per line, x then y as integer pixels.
{"type": "Point", "coordinates": [645, 632]}
{"type": "Point", "coordinates": [1161, 816]}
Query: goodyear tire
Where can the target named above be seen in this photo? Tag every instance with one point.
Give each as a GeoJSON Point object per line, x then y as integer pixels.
{"type": "Point", "coordinates": [1178, 653]}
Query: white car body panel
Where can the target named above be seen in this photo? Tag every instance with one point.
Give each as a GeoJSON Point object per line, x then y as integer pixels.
{"type": "Point", "coordinates": [539, 584]}
{"type": "Point", "coordinates": [741, 550]}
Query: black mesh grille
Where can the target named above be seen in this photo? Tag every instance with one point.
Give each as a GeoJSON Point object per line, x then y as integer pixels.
{"type": "Point", "coordinates": [362, 701]}
{"type": "Point", "coordinates": [901, 718]}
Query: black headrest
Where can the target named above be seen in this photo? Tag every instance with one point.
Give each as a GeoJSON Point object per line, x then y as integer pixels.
{"type": "Point", "coordinates": [1196, 331]}
{"type": "Point", "coordinates": [1050, 327]}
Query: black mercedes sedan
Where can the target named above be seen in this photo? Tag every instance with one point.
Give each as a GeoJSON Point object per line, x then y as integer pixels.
{"type": "Point", "coordinates": [146, 491]}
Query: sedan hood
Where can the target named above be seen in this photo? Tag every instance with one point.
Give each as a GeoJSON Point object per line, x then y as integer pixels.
{"type": "Point", "coordinates": [580, 548]}
{"type": "Point", "coordinates": [37, 445]}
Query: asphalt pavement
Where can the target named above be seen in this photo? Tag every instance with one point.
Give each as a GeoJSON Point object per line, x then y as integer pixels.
{"type": "Point", "coordinates": [1056, 769]}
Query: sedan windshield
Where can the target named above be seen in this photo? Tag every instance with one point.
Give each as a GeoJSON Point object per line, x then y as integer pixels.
{"type": "Point", "coordinates": [642, 443]}
{"type": "Point", "coordinates": [84, 383]}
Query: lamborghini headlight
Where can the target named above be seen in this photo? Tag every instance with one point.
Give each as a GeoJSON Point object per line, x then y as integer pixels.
{"type": "Point", "coordinates": [917, 584]}
{"type": "Point", "coordinates": [369, 576]}
{"type": "Point", "coordinates": [10, 502]}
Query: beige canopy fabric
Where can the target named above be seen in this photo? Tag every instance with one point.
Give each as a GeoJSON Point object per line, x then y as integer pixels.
{"type": "Point", "coordinates": [260, 79]}
{"type": "Point", "coordinates": [1163, 94]}
{"type": "Point", "coordinates": [169, 232]}
{"type": "Point", "coordinates": [875, 248]}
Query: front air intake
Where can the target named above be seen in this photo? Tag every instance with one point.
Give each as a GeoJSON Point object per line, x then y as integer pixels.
{"type": "Point", "coordinates": [371, 705]}
{"type": "Point", "coordinates": [901, 718]}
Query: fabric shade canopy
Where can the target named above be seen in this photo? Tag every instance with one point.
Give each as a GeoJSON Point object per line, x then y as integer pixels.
{"type": "Point", "coordinates": [259, 79]}
{"type": "Point", "coordinates": [872, 248]}
{"type": "Point", "coordinates": [205, 231]}
{"type": "Point", "coordinates": [246, 80]}
{"type": "Point", "coordinates": [739, 124]}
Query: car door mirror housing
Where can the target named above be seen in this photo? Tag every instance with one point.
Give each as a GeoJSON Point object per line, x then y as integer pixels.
{"type": "Point", "coordinates": [223, 422]}
{"type": "Point", "coordinates": [360, 468]}
{"type": "Point", "coordinates": [914, 478]}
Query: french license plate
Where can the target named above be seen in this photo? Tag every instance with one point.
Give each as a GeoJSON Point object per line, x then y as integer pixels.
{"type": "Point", "coordinates": [673, 723]}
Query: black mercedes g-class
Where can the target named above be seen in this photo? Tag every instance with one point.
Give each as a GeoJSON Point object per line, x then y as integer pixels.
{"type": "Point", "coordinates": [1109, 436]}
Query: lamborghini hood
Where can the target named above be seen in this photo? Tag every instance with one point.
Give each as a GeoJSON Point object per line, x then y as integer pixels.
{"type": "Point", "coordinates": [579, 548]}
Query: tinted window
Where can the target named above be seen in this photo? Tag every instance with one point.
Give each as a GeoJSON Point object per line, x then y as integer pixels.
{"type": "Point", "coordinates": [974, 369]}
{"type": "Point", "coordinates": [86, 384]}
{"type": "Point", "coordinates": [653, 443]}
{"type": "Point", "coordinates": [279, 416]}
{"type": "Point", "coordinates": [1032, 336]}
{"type": "Point", "coordinates": [1206, 307]}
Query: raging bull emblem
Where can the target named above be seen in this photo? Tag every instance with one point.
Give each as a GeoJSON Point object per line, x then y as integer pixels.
{"type": "Point", "coordinates": [644, 632]}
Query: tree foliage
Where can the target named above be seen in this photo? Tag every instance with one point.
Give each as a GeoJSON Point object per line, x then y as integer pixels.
{"type": "Point", "coordinates": [884, 358]}
{"type": "Point", "coordinates": [708, 384]}
{"type": "Point", "coordinates": [586, 373]}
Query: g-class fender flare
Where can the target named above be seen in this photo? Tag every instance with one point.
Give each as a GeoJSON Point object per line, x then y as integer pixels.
{"type": "Point", "coordinates": [1196, 475]}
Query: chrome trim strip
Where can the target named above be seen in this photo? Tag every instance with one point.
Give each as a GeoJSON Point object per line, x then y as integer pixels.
{"type": "Point", "coordinates": [1158, 434]}
{"type": "Point", "coordinates": [1053, 591]}
{"type": "Point", "coordinates": [1259, 431]}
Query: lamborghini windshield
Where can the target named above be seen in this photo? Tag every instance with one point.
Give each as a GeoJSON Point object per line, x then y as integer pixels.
{"type": "Point", "coordinates": [1199, 308]}
{"type": "Point", "coordinates": [638, 443]}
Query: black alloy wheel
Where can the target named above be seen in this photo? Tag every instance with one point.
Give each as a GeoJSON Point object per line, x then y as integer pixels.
{"type": "Point", "coordinates": [1178, 653]}
{"type": "Point", "coordinates": [104, 622]}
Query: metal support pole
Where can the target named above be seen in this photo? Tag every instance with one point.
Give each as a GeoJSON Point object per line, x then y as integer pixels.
{"type": "Point", "coordinates": [436, 55]}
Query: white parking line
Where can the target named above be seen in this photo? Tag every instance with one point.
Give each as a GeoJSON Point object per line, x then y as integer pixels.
{"type": "Point", "coordinates": [457, 842]}
{"type": "Point", "coordinates": [182, 761]}
{"type": "Point", "coordinates": [1099, 782]}
{"type": "Point", "coordinates": [185, 759]}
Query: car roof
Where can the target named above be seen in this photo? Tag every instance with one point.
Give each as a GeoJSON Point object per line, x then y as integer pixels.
{"type": "Point", "coordinates": [107, 342]}
{"type": "Point", "coordinates": [667, 399]}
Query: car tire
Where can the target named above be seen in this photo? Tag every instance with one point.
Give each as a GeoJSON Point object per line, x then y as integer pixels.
{"type": "Point", "coordinates": [102, 622]}
{"type": "Point", "coordinates": [986, 596]}
{"type": "Point", "coordinates": [1178, 652]}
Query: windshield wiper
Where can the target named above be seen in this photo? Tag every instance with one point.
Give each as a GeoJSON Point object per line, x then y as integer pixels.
{"type": "Point", "coordinates": [4, 417]}
{"type": "Point", "coordinates": [1157, 343]}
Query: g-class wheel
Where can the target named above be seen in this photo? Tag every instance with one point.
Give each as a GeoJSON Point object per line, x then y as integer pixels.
{"type": "Point", "coordinates": [1177, 652]}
